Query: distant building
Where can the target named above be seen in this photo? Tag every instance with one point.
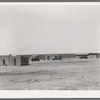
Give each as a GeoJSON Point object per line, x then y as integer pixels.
{"type": "Point", "coordinates": [69, 55]}
{"type": "Point", "coordinates": [82, 56]}
{"type": "Point", "coordinates": [9, 60]}
{"type": "Point", "coordinates": [53, 56]}
{"type": "Point", "coordinates": [93, 55]}
{"type": "Point", "coordinates": [87, 56]}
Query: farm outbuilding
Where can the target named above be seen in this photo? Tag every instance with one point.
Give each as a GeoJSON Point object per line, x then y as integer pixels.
{"type": "Point", "coordinates": [10, 60]}
{"type": "Point", "coordinates": [87, 56]}
{"type": "Point", "coordinates": [93, 55]}
{"type": "Point", "coordinates": [4, 60]}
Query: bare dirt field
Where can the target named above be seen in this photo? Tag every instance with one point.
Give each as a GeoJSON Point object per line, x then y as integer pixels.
{"type": "Point", "coordinates": [69, 74]}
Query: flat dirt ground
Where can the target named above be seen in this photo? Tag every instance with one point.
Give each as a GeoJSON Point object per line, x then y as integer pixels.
{"type": "Point", "coordinates": [69, 74]}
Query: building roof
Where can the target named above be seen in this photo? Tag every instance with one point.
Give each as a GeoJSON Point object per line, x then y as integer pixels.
{"type": "Point", "coordinates": [82, 54]}
{"type": "Point", "coordinates": [93, 53]}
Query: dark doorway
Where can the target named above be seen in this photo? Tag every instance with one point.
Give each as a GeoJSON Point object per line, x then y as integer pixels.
{"type": "Point", "coordinates": [60, 57]}
{"type": "Point", "coordinates": [47, 57]}
{"type": "Point", "coordinates": [14, 62]}
{"type": "Point", "coordinates": [3, 62]}
{"type": "Point", "coordinates": [24, 61]}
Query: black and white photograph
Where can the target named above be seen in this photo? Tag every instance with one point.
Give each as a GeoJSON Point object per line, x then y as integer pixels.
{"type": "Point", "coordinates": [49, 46]}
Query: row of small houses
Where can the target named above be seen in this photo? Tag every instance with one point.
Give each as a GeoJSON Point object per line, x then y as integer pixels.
{"type": "Point", "coordinates": [22, 60]}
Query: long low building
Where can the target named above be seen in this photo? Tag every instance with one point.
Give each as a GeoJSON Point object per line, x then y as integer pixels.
{"type": "Point", "coordinates": [53, 56]}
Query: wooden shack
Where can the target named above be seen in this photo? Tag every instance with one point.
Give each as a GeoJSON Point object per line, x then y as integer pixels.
{"type": "Point", "coordinates": [10, 60]}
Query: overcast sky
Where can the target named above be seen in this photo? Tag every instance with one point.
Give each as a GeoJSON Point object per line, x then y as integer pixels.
{"type": "Point", "coordinates": [32, 29]}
